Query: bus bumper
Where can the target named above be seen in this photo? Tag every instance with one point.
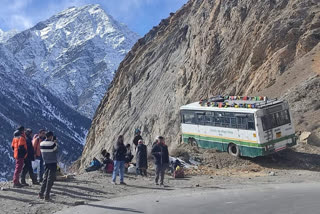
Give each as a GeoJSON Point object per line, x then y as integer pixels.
{"type": "Point", "coordinates": [279, 146]}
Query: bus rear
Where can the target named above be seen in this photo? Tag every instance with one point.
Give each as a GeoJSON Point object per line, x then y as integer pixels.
{"type": "Point", "coordinates": [275, 127]}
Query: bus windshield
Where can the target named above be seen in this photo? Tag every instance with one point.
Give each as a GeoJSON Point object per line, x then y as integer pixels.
{"type": "Point", "coordinates": [273, 120]}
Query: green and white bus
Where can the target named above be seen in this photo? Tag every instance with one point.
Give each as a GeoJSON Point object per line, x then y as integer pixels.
{"type": "Point", "coordinates": [242, 126]}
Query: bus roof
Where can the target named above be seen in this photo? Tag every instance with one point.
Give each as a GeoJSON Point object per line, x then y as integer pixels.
{"type": "Point", "coordinates": [198, 107]}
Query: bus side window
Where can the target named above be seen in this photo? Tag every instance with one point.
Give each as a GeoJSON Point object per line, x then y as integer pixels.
{"type": "Point", "coordinates": [251, 125]}
{"type": "Point", "coordinates": [208, 119]}
{"type": "Point", "coordinates": [233, 122]}
{"type": "Point", "coordinates": [218, 119]}
{"type": "Point", "coordinates": [241, 122]}
{"type": "Point", "coordinates": [188, 118]}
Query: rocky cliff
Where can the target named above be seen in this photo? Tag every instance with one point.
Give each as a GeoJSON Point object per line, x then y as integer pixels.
{"type": "Point", "coordinates": [210, 47]}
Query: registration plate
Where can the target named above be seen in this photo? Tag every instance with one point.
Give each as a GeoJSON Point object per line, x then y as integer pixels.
{"type": "Point", "coordinates": [278, 134]}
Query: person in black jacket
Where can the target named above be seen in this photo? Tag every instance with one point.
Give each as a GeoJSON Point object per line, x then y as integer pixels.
{"type": "Point", "coordinates": [27, 162]}
{"type": "Point", "coordinates": [119, 157]}
{"type": "Point", "coordinates": [142, 159]}
{"type": "Point", "coordinates": [161, 159]}
{"type": "Point", "coordinates": [137, 137]}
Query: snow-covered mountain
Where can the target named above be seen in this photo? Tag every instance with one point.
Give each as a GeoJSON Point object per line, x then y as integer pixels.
{"type": "Point", "coordinates": [5, 36]}
{"type": "Point", "coordinates": [24, 101]}
{"type": "Point", "coordinates": [74, 54]}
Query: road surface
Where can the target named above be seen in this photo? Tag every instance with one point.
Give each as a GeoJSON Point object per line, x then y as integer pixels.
{"type": "Point", "coordinates": [293, 198]}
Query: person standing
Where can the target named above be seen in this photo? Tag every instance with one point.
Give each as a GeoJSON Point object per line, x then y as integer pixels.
{"type": "Point", "coordinates": [137, 137]}
{"type": "Point", "coordinates": [27, 162]}
{"type": "Point", "coordinates": [161, 159]}
{"type": "Point", "coordinates": [37, 139]}
{"type": "Point", "coordinates": [19, 147]}
{"type": "Point", "coordinates": [142, 158]}
{"type": "Point", "coordinates": [49, 152]}
{"type": "Point", "coordinates": [119, 157]}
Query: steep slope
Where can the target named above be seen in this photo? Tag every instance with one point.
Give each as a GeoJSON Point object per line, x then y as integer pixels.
{"type": "Point", "coordinates": [25, 102]}
{"type": "Point", "coordinates": [74, 54]}
{"type": "Point", "coordinates": [205, 48]}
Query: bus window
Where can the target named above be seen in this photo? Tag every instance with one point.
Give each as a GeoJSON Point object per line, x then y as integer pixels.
{"type": "Point", "coordinates": [233, 122]}
{"type": "Point", "coordinates": [188, 118]}
{"type": "Point", "coordinates": [251, 125]}
{"type": "Point", "coordinates": [276, 119]}
{"type": "Point", "coordinates": [226, 122]}
{"type": "Point", "coordinates": [208, 119]}
{"type": "Point", "coordinates": [241, 122]}
{"type": "Point", "coordinates": [200, 118]}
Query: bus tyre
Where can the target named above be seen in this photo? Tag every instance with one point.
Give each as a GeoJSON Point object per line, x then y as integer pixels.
{"type": "Point", "coordinates": [234, 150]}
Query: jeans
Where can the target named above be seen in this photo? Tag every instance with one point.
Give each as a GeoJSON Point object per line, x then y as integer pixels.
{"type": "Point", "coordinates": [118, 169]}
{"type": "Point", "coordinates": [17, 171]}
{"type": "Point", "coordinates": [48, 179]}
{"type": "Point", "coordinates": [40, 171]}
{"type": "Point", "coordinates": [27, 168]}
{"type": "Point", "coordinates": [160, 170]}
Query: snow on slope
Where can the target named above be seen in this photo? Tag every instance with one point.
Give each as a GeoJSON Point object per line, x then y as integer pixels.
{"type": "Point", "coordinates": [74, 54]}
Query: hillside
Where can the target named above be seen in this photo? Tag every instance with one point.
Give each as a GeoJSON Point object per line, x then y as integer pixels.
{"type": "Point", "coordinates": [206, 48]}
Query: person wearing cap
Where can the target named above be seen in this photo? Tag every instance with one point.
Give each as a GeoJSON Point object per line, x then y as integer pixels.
{"type": "Point", "coordinates": [161, 159]}
{"type": "Point", "coordinates": [27, 162]}
{"type": "Point", "coordinates": [19, 147]}
{"type": "Point", "coordinates": [49, 152]}
{"type": "Point", "coordinates": [142, 158]}
{"type": "Point", "coordinates": [137, 137]}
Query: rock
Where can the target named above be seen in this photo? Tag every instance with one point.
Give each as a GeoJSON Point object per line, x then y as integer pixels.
{"type": "Point", "coordinates": [77, 203]}
{"type": "Point", "coordinates": [272, 173]}
{"type": "Point", "coordinates": [304, 137]}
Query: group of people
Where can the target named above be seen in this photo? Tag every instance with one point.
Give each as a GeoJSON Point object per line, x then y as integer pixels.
{"type": "Point", "coordinates": [122, 155]}
{"type": "Point", "coordinates": [41, 148]}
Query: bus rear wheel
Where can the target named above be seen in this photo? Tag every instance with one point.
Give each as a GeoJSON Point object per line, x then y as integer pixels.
{"type": "Point", "coordinates": [234, 150]}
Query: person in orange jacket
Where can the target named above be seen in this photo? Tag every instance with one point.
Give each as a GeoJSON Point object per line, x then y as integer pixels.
{"type": "Point", "coordinates": [20, 152]}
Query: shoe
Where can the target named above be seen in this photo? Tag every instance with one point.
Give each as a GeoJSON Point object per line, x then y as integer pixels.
{"type": "Point", "coordinates": [157, 183]}
{"type": "Point", "coordinates": [47, 198]}
{"type": "Point", "coordinates": [25, 184]}
{"type": "Point", "coordinates": [40, 196]}
{"type": "Point", "coordinates": [17, 185]}
{"type": "Point", "coordinates": [35, 183]}
{"type": "Point", "coordinates": [162, 184]}
{"type": "Point", "coordinates": [114, 183]}
{"type": "Point", "coordinates": [123, 183]}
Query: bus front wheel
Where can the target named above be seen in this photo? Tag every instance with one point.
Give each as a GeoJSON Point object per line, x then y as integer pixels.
{"type": "Point", "coordinates": [234, 150]}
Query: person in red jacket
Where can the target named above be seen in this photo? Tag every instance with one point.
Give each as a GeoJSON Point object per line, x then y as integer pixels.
{"type": "Point", "coordinates": [37, 139]}
{"type": "Point", "coordinates": [19, 147]}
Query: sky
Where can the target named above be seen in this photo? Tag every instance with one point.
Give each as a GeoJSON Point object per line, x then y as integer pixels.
{"type": "Point", "coordinates": [139, 15]}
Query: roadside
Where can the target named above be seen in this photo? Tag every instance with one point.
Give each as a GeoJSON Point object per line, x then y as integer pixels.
{"type": "Point", "coordinates": [96, 186]}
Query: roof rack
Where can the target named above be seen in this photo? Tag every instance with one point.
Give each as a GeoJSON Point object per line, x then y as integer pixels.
{"type": "Point", "coordinates": [238, 102]}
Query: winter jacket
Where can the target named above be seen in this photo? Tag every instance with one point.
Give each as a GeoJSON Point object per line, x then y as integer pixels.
{"type": "Point", "coordinates": [30, 148]}
{"type": "Point", "coordinates": [119, 152]}
{"type": "Point", "coordinates": [19, 145]}
{"type": "Point", "coordinates": [36, 145]}
{"type": "Point", "coordinates": [160, 154]}
{"type": "Point", "coordinates": [129, 156]}
{"type": "Point", "coordinates": [136, 140]}
{"type": "Point", "coordinates": [49, 152]}
{"type": "Point", "coordinates": [142, 157]}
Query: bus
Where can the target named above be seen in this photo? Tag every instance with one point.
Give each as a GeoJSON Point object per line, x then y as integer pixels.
{"type": "Point", "coordinates": [240, 125]}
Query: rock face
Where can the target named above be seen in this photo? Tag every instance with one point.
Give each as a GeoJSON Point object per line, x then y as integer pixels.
{"type": "Point", "coordinates": [74, 54]}
{"type": "Point", "coordinates": [26, 102]}
{"type": "Point", "coordinates": [206, 48]}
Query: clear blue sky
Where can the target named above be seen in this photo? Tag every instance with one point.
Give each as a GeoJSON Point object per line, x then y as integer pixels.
{"type": "Point", "coordinates": [139, 15]}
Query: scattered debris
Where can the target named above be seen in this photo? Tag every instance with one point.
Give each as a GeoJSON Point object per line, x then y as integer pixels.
{"type": "Point", "coordinates": [77, 203]}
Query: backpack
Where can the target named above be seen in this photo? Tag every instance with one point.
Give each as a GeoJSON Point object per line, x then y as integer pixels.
{"type": "Point", "coordinates": [109, 167]}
